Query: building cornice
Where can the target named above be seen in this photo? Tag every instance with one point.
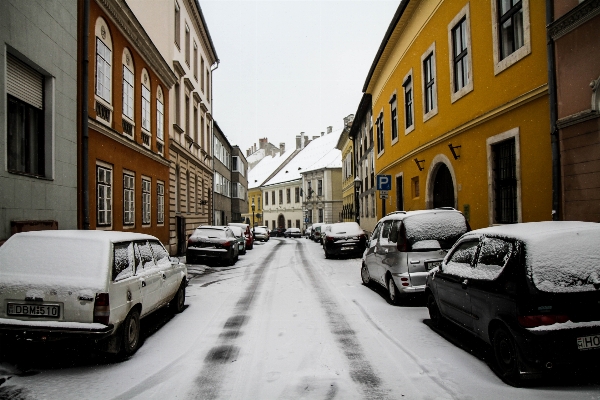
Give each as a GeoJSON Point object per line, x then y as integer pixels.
{"type": "Point", "coordinates": [130, 27]}
{"type": "Point", "coordinates": [125, 141]}
{"type": "Point", "coordinates": [198, 17]}
{"type": "Point", "coordinates": [577, 118]}
{"type": "Point", "coordinates": [574, 18]}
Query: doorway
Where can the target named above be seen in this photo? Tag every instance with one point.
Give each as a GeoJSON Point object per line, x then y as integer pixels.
{"type": "Point", "coordinates": [443, 188]}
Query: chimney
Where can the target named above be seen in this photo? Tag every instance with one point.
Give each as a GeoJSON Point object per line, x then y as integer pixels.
{"type": "Point", "coordinates": [302, 140]}
{"type": "Point", "coordinates": [262, 143]}
{"type": "Point", "coordinates": [281, 148]}
{"type": "Point", "coordinates": [322, 133]}
{"type": "Point", "coordinates": [315, 137]}
{"type": "Point", "coordinates": [273, 152]}
{"type": "Point", "coordinates": [329, 128]}
{"type": "Point", "coordinates": [298, 141]}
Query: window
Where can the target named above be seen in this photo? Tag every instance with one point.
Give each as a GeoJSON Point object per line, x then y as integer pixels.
{"type": "Point", "coordinates": [267, 200]}
{"type": "Point", "coordinates": [493, 256]}
{"type": "Point", "coordinates": [429, 85]}
{"type": "Point", "coordinates": [297, 195]}
{"type": "Point", "coordinates": [309, 190]}
{"type": "Point", "coordinates": [273, 197]}
{"type": "Point", "coordinates": [289, 223]}
{"type": "Point", "coordinates": [505, 182]}
{"type": "Point", "coordinates": [281, 197]}
{"type": "Point", "coordinates": [415, 187]}
{"type": "Point", "coordinates": [128, 199]}
{"type": "Point", "coordinates": [298, 223]}
{"type": "Point", "coordinates": [202, 74]}
{"type": "Point", "coordinates": [394, 118]}
{"type": "Point", "coordinates": [127, 93]}
{"type": "Point", "coordinates": [237, 165]}
{"type": "Point", "coordinates": [409, 115]}
{"type": "Point", "coordinates": [187, 45]}
{"type": "Point", "coordinates": [160, 203]}
{"type": "Point", "coordinates": [146, 185]}
{"type": "Point", "coordinates": [319, 187]}
{"type": "Point", "coordinates": [160, 116]}
{"type": "Point", "coordinates": [461, 260]}
{"type": "Point", "coordinates": [379, 127]}
{"type": "Point", "coordinates": [511, 32]}
{"type": "Point", "coordinates": [177, 104]}
{"type": "Point", "coordinates": [145, 102]}
{"type": "Point", "coordinates": [103, 70]}
{"type": "Point", "coordinates": [104, 196]}
{"type": "Point", "coordinates": [208, 85]}
{"type": "Point", "coordinates": [320, 215]}
{"type": "Point", "coordinates": [196, 137]}
{"type": "Point", "coordinates": [288, 196]}
{"type": "Point", "coordinates": [177, 25]}
{"type": "Point", "coordinates": [187, 114]}
{"type": "Point", "coordinates": [459, 37]}
{"type": "Point", "coordinates": [195, 60]}
{"type": "Point", "coordinates": [123, 261]}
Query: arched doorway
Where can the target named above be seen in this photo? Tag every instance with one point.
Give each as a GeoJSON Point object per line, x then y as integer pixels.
{"type": "Point", "coordinates": [281, 221]}
{"type": "Point", "coordinates": [443, 188]}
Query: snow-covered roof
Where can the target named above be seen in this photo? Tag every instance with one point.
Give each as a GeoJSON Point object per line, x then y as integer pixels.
{"type": "Point", "coordinates": [319, 153]}
{"type": "Point", "coordinates": [256, 156]}
{"type": "Point", "coordinates": [264, 168]}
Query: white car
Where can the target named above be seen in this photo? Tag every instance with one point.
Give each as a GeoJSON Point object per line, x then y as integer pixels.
{"type": "Point", "coordinates": [87, 284]}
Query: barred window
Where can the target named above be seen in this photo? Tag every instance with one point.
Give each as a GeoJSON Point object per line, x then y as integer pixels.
{"type": "Point", "coordinates": [104, 196]}
{"type": "Point", "coordinates": [128, 199]}
{"type": "Point", "coordinates": [146, 202]}
{"type": "Point", "coordinates": [160, 203]}
{"type": "Point", "coordinates": [505, 182]}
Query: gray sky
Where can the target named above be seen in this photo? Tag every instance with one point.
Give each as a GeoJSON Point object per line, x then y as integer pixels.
{"type": "Point", "coordinates": [291, 66]}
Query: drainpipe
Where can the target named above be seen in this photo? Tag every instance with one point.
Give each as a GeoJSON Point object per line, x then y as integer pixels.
{"type": "Point", "coordinates": [553, 114]}
{"type": "Point", "coordinates": [212, 107]}
{"type": "Point", "coordinates": [85, 192]}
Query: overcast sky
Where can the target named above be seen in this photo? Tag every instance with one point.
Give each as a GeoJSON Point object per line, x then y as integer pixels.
{"type": "Point", "coordinates": [291, 66]}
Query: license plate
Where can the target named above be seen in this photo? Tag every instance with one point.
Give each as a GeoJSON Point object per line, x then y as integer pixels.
{"type": "Point", "coordinates": [347, 248]}
{"type": "Point", "coordinates": [588, 342]}
{"type": "Point", "coordinates": [34, 310]}
{"type": "Point", "coordinates": [431, 265]}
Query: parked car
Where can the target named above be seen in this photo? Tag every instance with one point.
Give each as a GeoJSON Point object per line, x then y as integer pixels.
{"type": "Point", "coordinates": [307, 232]}
{"type": "Point", "coordinates": [261, 234]}
{"type": "Point", "coordinates": [240, 238]}
{"type": "Point", "coordinates": [344, 238]}
{"type": "Point", "coordinates": [90, 285]}
{"type": "Point", "coordinates": [404, 246]}
{"type": "Point", "coordinates": [530, 290]}
{"type": "Point", "coordinates": [247, 233]}
{"type": "Point", "coordinates": [316, 232]}
{"type": "Point", "coordinates": [211, 243]}
{"type": "Point", "coordinates": [321, 233]}
{"type": "Point", "coordinates": [292, 232]}
{"type": "Point", "coordinates": [278, 232]}
{"type": "Point", "coordinates": [265, 227]}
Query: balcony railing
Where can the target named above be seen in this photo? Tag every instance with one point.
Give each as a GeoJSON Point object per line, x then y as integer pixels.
{"type": "Point", "coordinates": [127, 128]}
{"type": "Point", "coordinates": [146, 139]}
{"type": "Point", "coordinates": [159, 147]}
{"type": "Point", "coordinates": [102, 111]}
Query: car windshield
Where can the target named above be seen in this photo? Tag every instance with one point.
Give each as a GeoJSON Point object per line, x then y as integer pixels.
{"type": "Point", "coordinates": [445, 227]}
{"type": "Point", "coordinates": [209, 233]}
{"type": "Point", "coordinates": [237, 231]}
{"type": "Point", "coordinates": [346, 228]}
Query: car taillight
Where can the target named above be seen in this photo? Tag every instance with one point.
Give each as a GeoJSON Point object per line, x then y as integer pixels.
{"type": "Point", "coordinates": [329, 238]}
{"type": "Point", "coordinates": [226, 244]}
{"type": "Point", "coordinates": [102, 308]}
{"type": "Point", "coordinates": [532, 321]}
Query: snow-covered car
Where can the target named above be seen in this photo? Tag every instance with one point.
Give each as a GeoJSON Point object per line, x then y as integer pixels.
{"type": "Point", "coordinates": [307, 232]}
{"type": "Point", "coordinates": [210, 243]}
{"type": "Point", "coordinates": [247, 234]}
{"type": "Point", "coordinates": [292, 232]}
{"type": "Point", "coordinates": [530, 290]}
{"type": "Point", "coordinates": [260, 234]}
{"type": "Point", "coordinates": [240, 238]}
{"type": "Point", "coordinates": [404, 246]}
{"type": "Point", "coordinates": [344, 238]}
{"type": "Point", "coordinates": [94, 285]}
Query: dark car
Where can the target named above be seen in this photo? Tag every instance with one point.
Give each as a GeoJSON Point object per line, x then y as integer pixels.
{"type": "Point", "coordinates": [316, 232]}
{"type": "Point", "coordinates": [212, 243]}
{"type": "Point", "coordinates": [530, 290]}
{"type": "Point", "coordinates": [278, 232]}
{"type": "Point", "coordinates": [344, 238]}
{"type": "Point", "coordinates": [247, 233]}
{"type": "Point", "coordinates": [292, 232]}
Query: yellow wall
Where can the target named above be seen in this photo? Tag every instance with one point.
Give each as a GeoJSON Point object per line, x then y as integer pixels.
{"type": "Point", "coordinates": [348, 184]}
{"type": "Point", "coordinates": [255, 194]}
{"type": "Point", "coordinates": [514, 98]}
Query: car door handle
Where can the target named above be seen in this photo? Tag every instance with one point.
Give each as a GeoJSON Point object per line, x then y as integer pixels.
{"type": "Point", "coordinates": [386, 251]}
{"type": "Point", "coordinates": [465, 283]}
{"type": "Point", "coordinates": [143, 283]}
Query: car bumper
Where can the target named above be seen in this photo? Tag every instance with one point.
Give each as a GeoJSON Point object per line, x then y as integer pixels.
{"type": "Point", "coordinates": [405, 287]}
{"type": "Point", "coordinates": [51, 330]}
{"type": "Point", "coordinates": [208, 253]}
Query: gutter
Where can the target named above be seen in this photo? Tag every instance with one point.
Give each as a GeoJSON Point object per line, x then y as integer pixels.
{"type": "Point", "coordinates": [553, 114]}
{"type": "Point", "coordinates": [212, 107]}
{"type": "Point", "coordinates": [85, 190]}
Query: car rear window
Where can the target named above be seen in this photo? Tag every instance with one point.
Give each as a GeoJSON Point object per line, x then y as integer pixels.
{"type": "Point", "coordinates": [565, 261]}
{"type": "Point", "coordinates": [346, 228]}
{"type": "Point", "coordinates": [210, 233]}
{"type": "Point", "coordinates": [445, 227]}
{"type": "Point", "coordinates": [260, 230]}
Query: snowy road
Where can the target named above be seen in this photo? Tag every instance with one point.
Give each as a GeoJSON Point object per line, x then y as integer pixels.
{"type": "Point", "coordinates": [282, 323]}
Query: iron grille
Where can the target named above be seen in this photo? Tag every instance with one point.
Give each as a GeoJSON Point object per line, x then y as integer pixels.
{"type": "Point", "coordinates": [505, 182]}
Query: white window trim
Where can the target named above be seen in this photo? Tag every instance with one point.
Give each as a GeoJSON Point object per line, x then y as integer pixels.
{"type": "Point", "coordinates": [376, 135]}
{"type": "Point", "coordinates": [131, 70]}
{"type": "Point", "coordinates": [108, 227]}
{"type": "Point", "coordinates": [132, 224]}
{"type": "Point", "coordinates": [149, 180]}
{"type": "Point", "coordinates": [411, 128]}
{"type": "Point", "coordinates": [465, 12]}
{"type": "Point", "coordinates": [521, 53]}
{"type": "Point", "coordinates": [158, 210]}
{"type": "Point", "coordinates": [513, 133]}
{"type": "Point", "coordinates": [433, 112]}
{"type": "Point", "coordinates": [394, 104]}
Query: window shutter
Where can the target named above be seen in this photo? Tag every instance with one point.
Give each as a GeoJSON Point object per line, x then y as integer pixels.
{"type": "Point", "coordinates": [24, 82]}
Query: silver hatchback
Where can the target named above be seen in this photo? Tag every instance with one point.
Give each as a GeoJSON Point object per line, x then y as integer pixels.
{"type": "Point", "coordinates": [405, 246]}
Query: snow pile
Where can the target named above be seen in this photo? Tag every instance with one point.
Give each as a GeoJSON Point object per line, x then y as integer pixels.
{"type": "Point", "coordinates": [442, 225]}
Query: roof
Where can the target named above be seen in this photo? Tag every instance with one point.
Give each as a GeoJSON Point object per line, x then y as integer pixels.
{"type": "Point", "coordinates": [265, 167]}
{"type": "Point", "coordinates": [205, 26]}
{"type": "Point", "coordinates": [256, 156]}
{"type": "Point", "coordinates": [363, 108]}
{"type": "Point", "coordinates": [318, 154]}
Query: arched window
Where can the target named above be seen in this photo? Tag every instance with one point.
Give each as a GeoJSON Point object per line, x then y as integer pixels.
{"type": "Point", "coordinates": [160, 115]}
{"type": "Point", "coordinates": [128, 92]}
{"type": "Point", "coordinates": [103, 70]}
{"type": "Point", "coordinates": [146, 118]}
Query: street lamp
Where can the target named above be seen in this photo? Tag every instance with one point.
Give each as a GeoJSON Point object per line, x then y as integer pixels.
{"type": "Point", "coordinates": [357, 185]}
{"type": "Point", "coordinates": [253, 217]}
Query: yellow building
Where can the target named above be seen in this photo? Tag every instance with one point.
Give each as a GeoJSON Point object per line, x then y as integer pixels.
{"type": "Point", "coordinates": [345, 145]}
{"type": "Point", "coordinates": [460, 110]}
{"type": "Point", "coordinates": [254, 197]}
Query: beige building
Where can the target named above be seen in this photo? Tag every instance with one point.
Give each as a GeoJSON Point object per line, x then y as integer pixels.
{"type": "Point", "coordinates": [185, 43]}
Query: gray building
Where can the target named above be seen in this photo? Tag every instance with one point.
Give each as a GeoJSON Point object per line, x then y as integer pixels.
{"type": "Point", "coordinates": [239, 185]}
{"type": "Point", "coordinates": [222, 178]}
{"type": "Point", "coordinates": [38, 109]}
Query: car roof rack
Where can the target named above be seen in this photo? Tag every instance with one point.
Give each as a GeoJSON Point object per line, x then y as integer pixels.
{"type": "Point", "coordinates": [395, 212]}
{"type": "Point", "coordinates": [446, 208]}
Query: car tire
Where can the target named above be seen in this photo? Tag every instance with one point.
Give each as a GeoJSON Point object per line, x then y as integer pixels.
{"type": "Point", "coordinates": [506, 354]}
{"type": "Point", "coordinates": [178, 302]}
{"type": "Point", "coordinates": [243, 252]}
{"type": "Point", "coordinates": [130, 334]}
{"type": "Point", "coordinates": [230, 260]}
{"type": "Point", "coordinates": [393, 294]}
{"type": "Point", "coordinates": [365, 276]}
{"type": "Point", "coordinates": [437, 319]}
{"type": "Point", "coordinates": [327, 255]}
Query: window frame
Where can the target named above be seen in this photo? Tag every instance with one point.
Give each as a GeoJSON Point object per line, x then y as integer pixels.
{"type": "Point", "coordinates": [429, 88]}
{"type": "Point", "coordinates": [147, 201]}
{"type": "Point", "coordinates": [393, 118]}
{"type": "Point", "coordinates": [464, 15]}
{"type": "Point", "coordinates": [177, 25]}
{"type": "Point", "coordinates": [128, 199]}
{"type": "Point", "coordinates": [520, 53]}
{"type": "Point", "coordinates": [146, 108]}
{"type": "Point", "coordinates": [409, 109]}
{"type": "Point", "coordinates": [160, 116]}
{"type": "Point", "coordinates": [380, 134]}
{"type": "Point", "coordinates": [128, 95]}
{"type": "Point", "coordinates": [108, 200]}
{"type": "Point", "coordinates": [160, 203]}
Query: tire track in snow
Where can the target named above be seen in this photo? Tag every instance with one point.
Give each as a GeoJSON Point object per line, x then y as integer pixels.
{"type": "Point", "coordinates": [361, 370]}
{"type": "Point", "coordinates": [225, 351]}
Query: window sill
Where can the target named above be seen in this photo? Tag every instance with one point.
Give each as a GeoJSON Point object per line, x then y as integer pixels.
{"type": "Point", "coordinates": [409, 129]}
{"type": "Point", "coordinates": [30, 175]}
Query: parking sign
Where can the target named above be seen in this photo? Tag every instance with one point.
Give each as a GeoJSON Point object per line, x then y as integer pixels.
{"type": "Point", "coordinates": [384, 182]}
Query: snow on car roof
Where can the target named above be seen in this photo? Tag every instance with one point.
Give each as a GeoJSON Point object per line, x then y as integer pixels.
{"type": "Point", "coordinates": [102, 236]}
{"type": "Point", "coordinates": [432, 224]}
{"type": "Point", "coordinates": [320, 152]}
{"type": "Point", "coordinates": [561, 256]}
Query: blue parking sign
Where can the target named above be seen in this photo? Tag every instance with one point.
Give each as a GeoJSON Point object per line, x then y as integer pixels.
{"type": "Point", "coordinates": [384, 182]}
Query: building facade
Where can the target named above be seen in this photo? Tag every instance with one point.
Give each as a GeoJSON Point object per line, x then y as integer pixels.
{"type": "Point", "coordinates": [239, 185]}
{"type": "Point", "coordinates": [460, 110]}
{"type": "Point", "coordinates": [222, 178]}
{"type": "Point", "coordinates": [282, 204]}
{"type": "Point", "coordinates": [348, 192]}
{"type": "Point", "coordinates": [574, 32]}
{"type": "Point", "coordinates": [38, 122]}
{"type": "Point", "coordinates": [128, 166]}
{"type": "Point", "coordinates": [185, 42]}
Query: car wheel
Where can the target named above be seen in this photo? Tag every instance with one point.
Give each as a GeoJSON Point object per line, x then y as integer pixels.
{"type": "Point", "coordinates": [130, 334]}
{"type": "Point", "coordinates": [437, 320]}
{"type": "Point", "coordinates": [243, 252]}
{"type": "Point", "coordinates": [176, 305]}
{"type": "Point", "coordinates": [506, 354]}
{"type": "Point", "coordinates": [327, 255]}
{"type": "Point", "coordinates": [230, 260]}
{"type": "Point", "coordinates": [364, 274]}
{"type": "Point", "coordinates": [393, 295]}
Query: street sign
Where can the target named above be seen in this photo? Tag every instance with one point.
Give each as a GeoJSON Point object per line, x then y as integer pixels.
{"type": "Point", "coordinates": [384, 182]}
{"type": "Point", "coordinates": [305, 220]}
{"type": "Point", "coordinates": [383, 192]}
{"type": "Point", "coordinates": [383, 196]}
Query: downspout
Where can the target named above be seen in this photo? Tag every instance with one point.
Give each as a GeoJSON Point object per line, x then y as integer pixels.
{"type": "Point", "coordinates": [553, 114]}
{"type": "Point", "coordinates": [85, 193]}
{"type": "Point", "coordinates": [212, 107]}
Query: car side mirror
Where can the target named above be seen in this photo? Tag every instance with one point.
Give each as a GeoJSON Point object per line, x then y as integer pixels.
{"type": "Point", "coordinates": [175, 260]}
